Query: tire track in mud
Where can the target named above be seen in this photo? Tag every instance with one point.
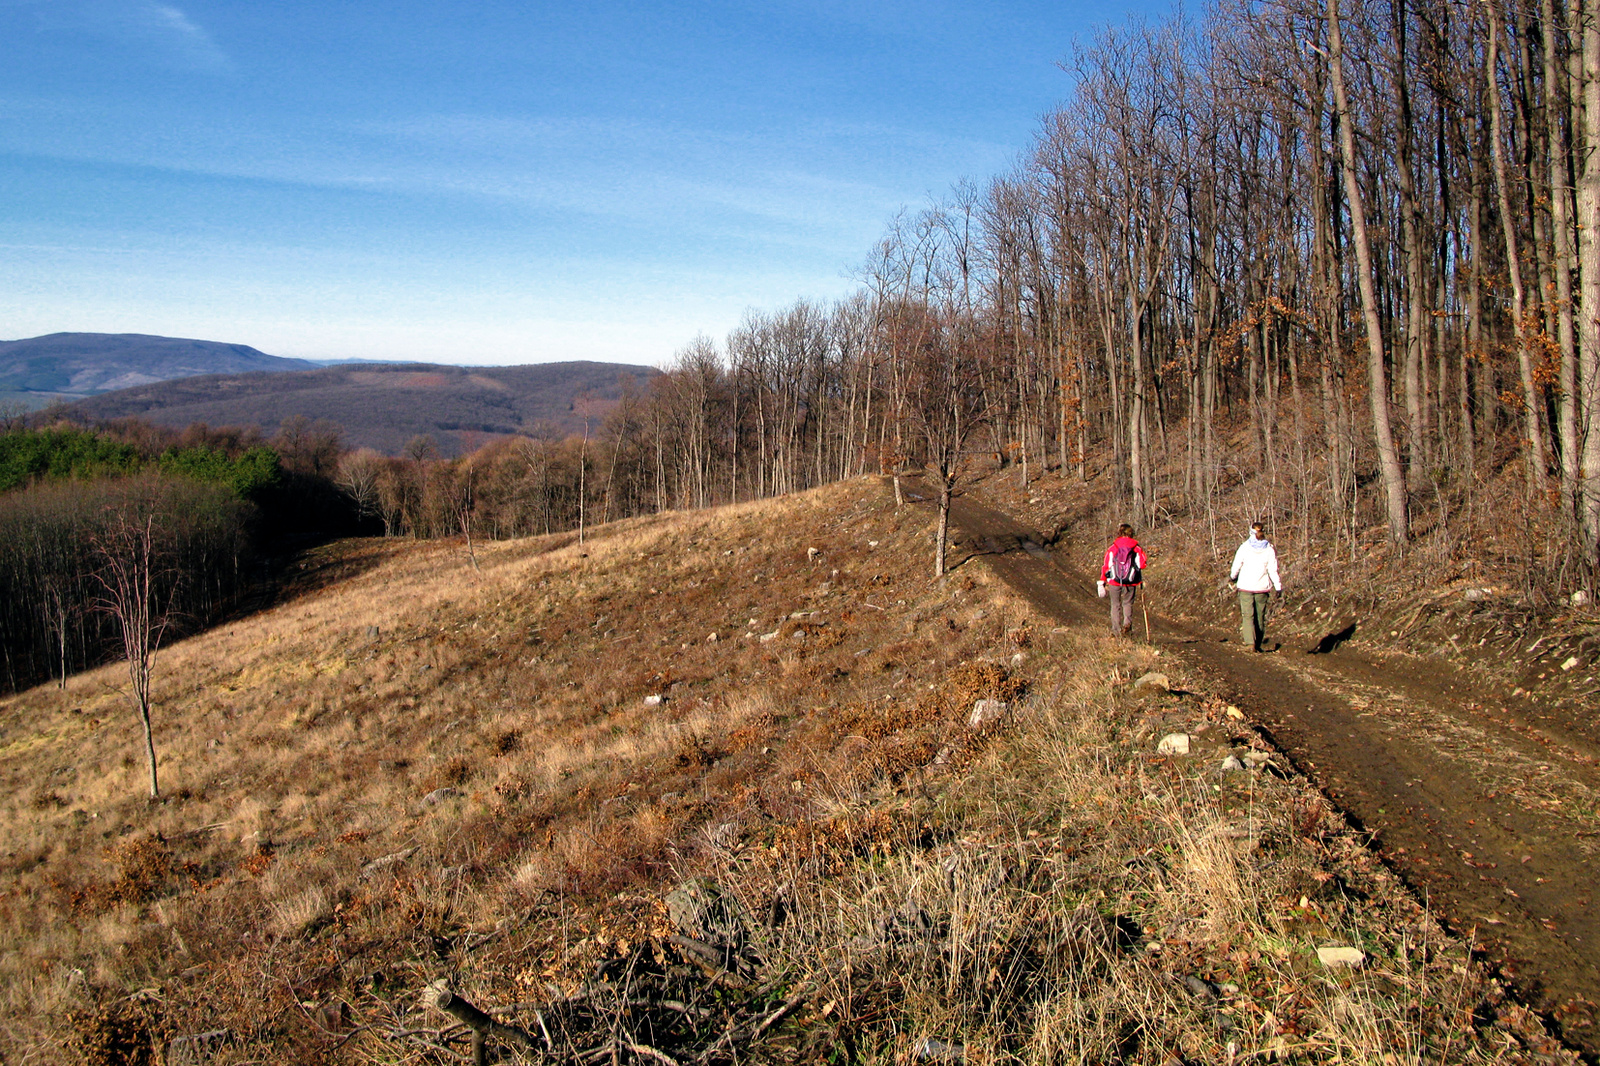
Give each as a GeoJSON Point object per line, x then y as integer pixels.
{"type": "Point", "coordinates": [1488, 808]}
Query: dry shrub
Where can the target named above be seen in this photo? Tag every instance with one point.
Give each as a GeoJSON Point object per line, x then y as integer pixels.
{"type": "Point", "coordinates": [47, 801]}
{"type": "Point", "coordinates": [144, 869]}
{"type": "Point", "coordinates": [119, 1033]}
{"type": "Point", "coordinates": [452, 773]}
{"type": "Point", "coordinates": [697, 752]}
{"type": "Point", "coordinates": [980, 680]}
{"type": "Point", "coordinates": [300, 912]}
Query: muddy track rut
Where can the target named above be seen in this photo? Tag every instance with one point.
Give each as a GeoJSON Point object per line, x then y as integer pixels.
{"type": "Point", "coordinates": [1484, 805]}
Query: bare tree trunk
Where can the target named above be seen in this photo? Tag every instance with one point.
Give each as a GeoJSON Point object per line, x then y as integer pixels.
{"type": "Point", "coordinates": [941, 536]}
{"type": "Point", "coordinates": [1588, 415]}
{"type": "Point", "coordinates": [1137, 447]}
{"type": "Point", "coordinates": [1508, 222]}
{"type": "Point", "coordinates": [1377, 379]}
{"type": "Point", "coordinates": [1560, 181]}
{"type": "Point", "coordinates": [1473, 350]}
{"type": "Point", "coordinates": [1417, 318]}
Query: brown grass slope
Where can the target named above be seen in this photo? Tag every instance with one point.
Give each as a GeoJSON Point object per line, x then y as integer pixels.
{"type": "Point", "coordinates": [424, 771]}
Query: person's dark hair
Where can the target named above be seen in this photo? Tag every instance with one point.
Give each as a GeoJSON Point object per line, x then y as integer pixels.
{"type": "Point", "coordinates": [1124, 530]}
{"type": "Point", "coordinates": [1259, 527]}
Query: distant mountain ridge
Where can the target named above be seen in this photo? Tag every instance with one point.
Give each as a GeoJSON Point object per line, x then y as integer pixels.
{"type": "Point", "coordinates": [70, 366]}
{"type": "Point", "coordinates": [384, 406]}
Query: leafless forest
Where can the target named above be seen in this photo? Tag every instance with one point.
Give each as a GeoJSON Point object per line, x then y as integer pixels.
{"type": "Point", "coordinates": [1324, 266]}
{"type": "Point", "coordinates": [1336, 256]}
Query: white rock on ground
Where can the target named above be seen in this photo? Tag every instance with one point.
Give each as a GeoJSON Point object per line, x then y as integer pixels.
{"type": "Point", "coordinates": [1174, 744]}
{"type": "Point", "coordinates": [1336, 957]}
{"type": "Point", "coordinates": [1153, 680]}
{"type": "Point", "coordinates": [987, 712]}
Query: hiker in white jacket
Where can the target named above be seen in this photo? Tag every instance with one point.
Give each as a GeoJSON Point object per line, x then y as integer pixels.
{"type": "Point", "coordinates": [1255, 575]}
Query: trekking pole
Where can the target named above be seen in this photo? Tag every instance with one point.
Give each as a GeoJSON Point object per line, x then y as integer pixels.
{"type": "Point", "coordinates": [1146, 608]}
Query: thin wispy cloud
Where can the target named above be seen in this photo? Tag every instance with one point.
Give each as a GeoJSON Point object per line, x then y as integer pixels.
{"type": "Point", "coordinates": [157, 32]}
{"type": "Point", "coordinates": [170, 25]}
{"type": "Point", "coordinates": [337, 178]}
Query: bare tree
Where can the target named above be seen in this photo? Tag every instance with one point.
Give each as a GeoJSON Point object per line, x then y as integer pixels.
{"type": "Point", "coordinates": [359, 475]}
{"type": "Point", "coordinates": [1377, 383]}
{"type": "Point", "coordinates": [129, 575]}
{"type": "Point", "coordinates": [947, 402]}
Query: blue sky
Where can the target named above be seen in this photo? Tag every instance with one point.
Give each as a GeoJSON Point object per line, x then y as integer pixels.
{"type": "Point", "coordinates": [486, 182]}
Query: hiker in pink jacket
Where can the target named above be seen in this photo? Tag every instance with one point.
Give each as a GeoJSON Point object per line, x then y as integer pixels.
{"type": "Point", "coordinates": [1120, 575]}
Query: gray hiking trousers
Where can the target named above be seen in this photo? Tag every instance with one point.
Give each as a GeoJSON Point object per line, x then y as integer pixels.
{"type": "Point", "coordinates": [1253, 609]}
{"type": "Point", "coordinates": [1121, 597]}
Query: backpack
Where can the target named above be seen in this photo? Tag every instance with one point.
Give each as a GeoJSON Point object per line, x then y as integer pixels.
{"type": "Point", "coordinates": [1125, 563]}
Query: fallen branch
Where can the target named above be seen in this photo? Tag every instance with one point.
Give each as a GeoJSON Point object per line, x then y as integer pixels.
{"type": "Point", "coordinates": [649, 1052]}
{"type": "Point", "coordinates": [733, 1031]}
{"type": "Point", "coordinates": [439, 995]}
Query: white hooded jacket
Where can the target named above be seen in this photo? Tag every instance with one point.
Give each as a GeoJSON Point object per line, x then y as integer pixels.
{"type": "Point", "coordinates": [1255, 566]}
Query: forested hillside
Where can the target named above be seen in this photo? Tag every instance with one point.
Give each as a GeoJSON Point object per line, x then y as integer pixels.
{"type": "Point", "coordinates": [67, 366]}
{"type": "Point", "coordinates": [387, 407]}
{"type": "Point", "coordinates": [190, 515]}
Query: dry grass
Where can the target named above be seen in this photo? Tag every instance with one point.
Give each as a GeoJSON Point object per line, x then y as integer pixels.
{"type": "Point", "coordinates": [425, 770]}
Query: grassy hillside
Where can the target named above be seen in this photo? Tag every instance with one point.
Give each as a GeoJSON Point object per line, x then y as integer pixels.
{"type": "Point", "coordinates": [68, 366]}
{"type": "Point", "coordinates": [419, 770]}
{"type": "Point", "coordinates": [385, 406]}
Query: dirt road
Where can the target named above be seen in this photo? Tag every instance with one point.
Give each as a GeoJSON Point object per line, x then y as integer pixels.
{"type": "Point", "coordinates": [1483, 804]}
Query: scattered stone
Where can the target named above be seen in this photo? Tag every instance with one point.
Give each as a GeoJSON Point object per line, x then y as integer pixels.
{"type": "Point", "coordinates": [909, 923]}
{"type": "Point", "coordinates": [813, 554]}
{"type": "Point", "coordinates": [385, 862]}
{"type": "Point", "coordinates": [334, 1016]}
{"type": "Point", "coordinates": [1337, 957]}
{"type": "Point", "coordinates": [1173, 744]}
{"type": "Point", "coordinates": [1155, 681]}
{"type": "Point", "coordinates": [1233, 712]}
{"type": "Point", "coordinates": [1477, 595]}
{"type": "Point", "coordinates": [655, 699]}
{"type": "Point", "coordinates": [930, 1050]}
{"type": "Point", "coordinates": [1231, 763]}
{"type": "Point", "coordinates": [439, 795]}
{"type": "Point", "coordinates": [701, 910]}
{"type": "Point", "coordinates": [1570, 664]}
{"type": "Point", "coordinates": [988, 712]}
{"type": "Point", "coordinates": [1580, 598]}
{"type": "Point", "coordinates": [1255, 760]}
{"type": "Point", "coordinates": [712, 639]}
{"type": "Point", "coordinates": [197, 1048]}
